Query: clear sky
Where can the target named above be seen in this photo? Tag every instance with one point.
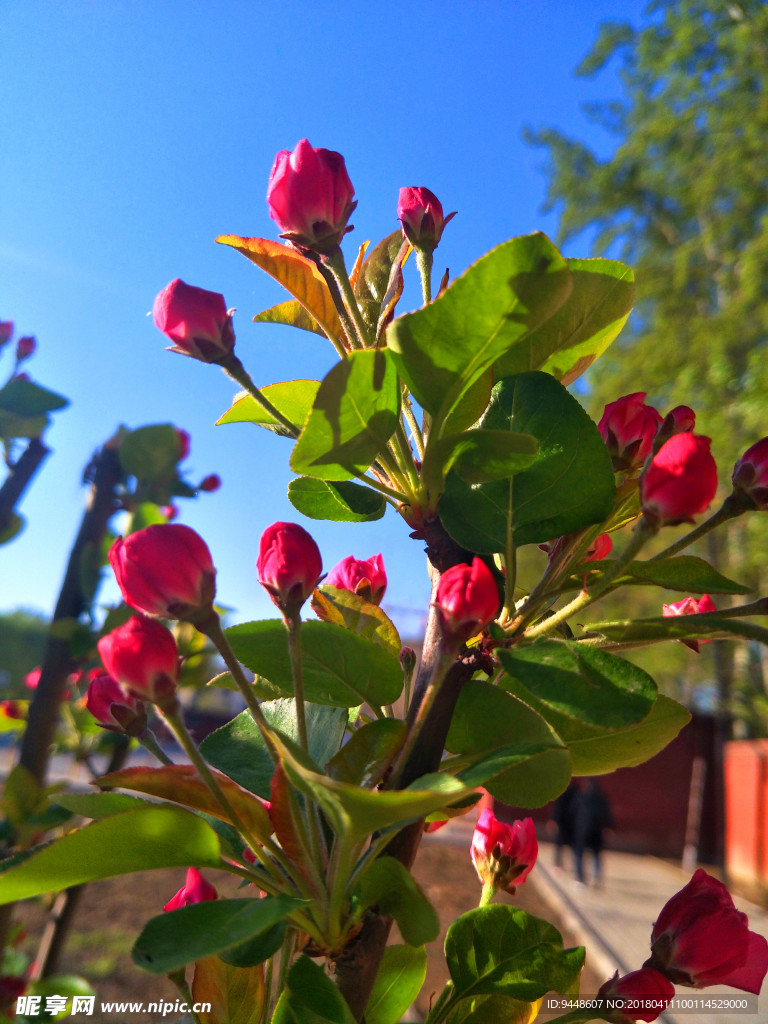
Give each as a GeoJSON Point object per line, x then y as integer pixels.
{"type": "Point", "coordinates": [136, 131]}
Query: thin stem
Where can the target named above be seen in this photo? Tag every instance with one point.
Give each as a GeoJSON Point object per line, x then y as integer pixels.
{"type": "Point", "coordinates": [644, 530]}
{"type": "Point", "coordinates": [445, 659]}
{"type": "Point", "coordinates": [338, 302]}
{"type": "Point", "coordinates": [268, 978]}
{"type": "Point", "coordinates": [179, 979]}
{"type": "Point", "coordinates": [728, 510]}
{"type": "Point", "coordinates": [388, 492]}
{"type": "Point", "coordinates": [235, 369]}
{"type": "Point", "coordinates": [212, 629]}
{"type": "Point", "coordinates": [424, 263]}
{"type": "Point", "coordinates": [510, 578]}
{"type": "Point", "coordinates": [293, 626]}
{"type": "Point", "coordinates": [286, 954]}
{"type": "Point", "coordinates": [335, 263]}
{"type": "Point", "coordinates": [148, 740]}
{"type": "Point", "coordinates": [489, 891]}
{"type": "Point", "coordinates": [413, 423]}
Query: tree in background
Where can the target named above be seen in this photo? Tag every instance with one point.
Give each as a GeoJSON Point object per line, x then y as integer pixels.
{"type": "Point", "coordinates": [684, 198]}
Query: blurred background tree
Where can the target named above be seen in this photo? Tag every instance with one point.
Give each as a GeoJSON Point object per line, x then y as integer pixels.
{"type": "Point", "coordinates": [683, 198]}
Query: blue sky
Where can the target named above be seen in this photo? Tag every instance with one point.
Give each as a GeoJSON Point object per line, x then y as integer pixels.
{"type": "Point", "coordinates": [135, 132]}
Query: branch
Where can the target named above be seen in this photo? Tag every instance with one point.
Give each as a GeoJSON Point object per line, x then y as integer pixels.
{"type": "Point", "coordinates": [18, 479]}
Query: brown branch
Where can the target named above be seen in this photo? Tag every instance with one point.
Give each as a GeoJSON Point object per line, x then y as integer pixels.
{"type": "Point", "coordinates": [19, 478]}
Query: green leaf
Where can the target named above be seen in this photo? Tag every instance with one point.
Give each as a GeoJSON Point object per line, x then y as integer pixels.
{"type": "Point", "coordinates": [567, 343]}
{"type": "Point", "coordinates": [310, 997]}
{"type": "Point", "coordinates": [238, 750]}
{"type": "Point", "coordinates": [256, 950]}
{"type": "Point", "coordinates": [99, 805]}
{"type": "Point", "coordinates": [625, 748]}
{"type": "Point", "coordinates": [355, 812]}
{"type": "Point", "coordinates": [444, 348]}
{"type": "Point", "coordinates": [353, 612]}
{"type": "Point", "coordinates": [579, 690]}
{"type": "Point", "coordinates": [368, 753]}
{"type": "Point", "coordinates": [15, 523]}
{"type": "Point", "coordinates": [292, 314]}
{"type": "Point", "coordinates": [30, 427]}
{"type": "Point", "coordinates": [500, 950]}
{"type": "Point", "coordinates": [569, 486]}
{"type": "Point", "coordinates": [340, 668]}
{"type": "Point", "coordinates": [152, 837]}
{"type": "Point", "coordinates": [680, 627]}
{"type": "Point", "coordinates": [354, 415]}
{"type": "Point", "coordinates": [22, 398]}
{"type": "Point", "coordinates": [493, 1010]}
{"type": "Point", "coordinates": [478, 456]}
{"type": "Point", "coordinates": [402, 972]}
{"type": "Point", "coordinates": [372, 281]}
{"type": "Point", "coordinates": [151, 453]}
{"type": "Point", "coordinates": [388, 885]}
{"type": "Point", "coordinates": [685, 572]}
{"type": "Point", "coordinates": [341, 502]}
{"type": "Point", "coordinates": [527, 763]}
{"type": "Point", "coordinates": [293, 398]}
{"type": "Point", "coordinates": [173, 939]}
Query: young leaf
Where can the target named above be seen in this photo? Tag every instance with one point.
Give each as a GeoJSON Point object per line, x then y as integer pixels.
{"type": "Point", "coordinates": [340, 668]}
{"type": "Point", "coordinates": [151, 837]}
{"type": "Point", "coordinates": [401, 974]}
{"type": "Point", "coordinates": [388, 885]}
{"type": "Point", "coordinates": [341, 502]}
{"type": "Point", "coordinates": [371, 284]}
{"type": "Point", "coordinates": [500, 950]}
{"type": "Point", "coordinates": [368, 753]}
{"type": "Point", "coordinates": [569, 341]}
{"type": "Point", "coordinates": [151, 453]}
{"type": "Point", "coordinates": [353, 612]}
{"type": "Point", "coordinates": [354, 415]}
{"type": "Point", "coordinates": [569, 486]}
{"type": "Point", "coordinates": [176, 938]}
{"type": "Point", "coordinates": [235, 995]}
{"type": "Point", "coordinates": [292, 314]}
{"type": "Point", "coordinates": [310, 997]}
{"type": "Point", "coordinates": [444, 348]}
{"type": "Point", "coordinates": [293, 398]}
{"type": "Point", "coordinates": [238, 750]}
{"type": "Point", "coordinates": [295, 273]}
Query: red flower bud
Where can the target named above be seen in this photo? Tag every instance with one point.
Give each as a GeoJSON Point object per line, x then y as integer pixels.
{"type": "Point", "coordinates": [142, 656]}
{"type": "Point", "coordinates": [690, 606]}
{"type": "Point", "coordinates": [184, 443]}
{"type": "Point", "coordinates": [31, 679]}
{"type": "Point", "coordinates": [503, 855]}
{"type": "Point", "coordinates": [628, 427]}
{"type": "Point", "coordinates": [165, 570]}
{"type": "Point", "coordinates": [170, 512]}
{"type": "Point", "coordinates": [681, 480]}
{"type": "Point", "coordinates": [365, 577]}
{"type": "Point", "coordinates": [194, 890]}
{"type": "Point", "coordinates": [683, 419]}
{"type": "Point", "coordinates": [113, 707]}
{"type": "Point", "coordinates": [6, 332]}
{"type": "Point", "coordinates": [196, 320]}
{"type": "Point", "coordinates": [701, 939]}
{"type": "Point", "coordinates": [421, 215]}
{"type": "Point", "coordinates": [750, 476]}
{"type": "Point", "coordinates": [467, 599]}
{"type": "Point", "coordinates": [210, 483]}
{"type": "Point", "coordinates": [25, 347]}
{"type": "Point", "coordinates": [289, 565]}
{"type": "Point", "coordinates": [12, 709]}
{"type": "Point", "coordinates": [599, 549]}
{"type": "Point", "coordinates": [310, 197]}
{"type": "Point", "coordinates": [645, 986]}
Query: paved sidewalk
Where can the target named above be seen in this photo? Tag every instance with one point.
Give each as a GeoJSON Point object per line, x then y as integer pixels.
{"type": "Point", "coordinates": [614, 922]}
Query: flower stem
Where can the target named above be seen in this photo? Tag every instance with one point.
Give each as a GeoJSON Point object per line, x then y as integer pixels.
{"type": "Point", "coordinates": [489, 891]}
{"type": "Point", "coordinates": [335, 263]}
{"type": "Point", "coordinates": [728, 510]}
{"type": "Point", "coordinates": [413, 423]}
{"type": "Point", "coordinates": [235, 369]}
{"type": "Point", "coordinates": [212, 629]}
{"type": "Point", "coordinates": [293, 626]}
{"type": "Point", "coordinates": [424, 263]}
{"type": "Point", "coordinates": [148, 740]}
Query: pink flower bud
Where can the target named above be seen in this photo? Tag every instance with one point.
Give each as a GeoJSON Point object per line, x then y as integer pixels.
{"type": "Point", "coordinates": [407, 661]}
{"type": "Point", "coordinates": [599, 549]}
{"type": "Point", "coordinates": [196, 320]}
{"type": "Point", "coordinates": [142, 656]}
{"type": "Point", "coordinates": [690, 606]}
{"type": "Point", "coordinates": [435, 826]}
{"type": "Point", "coordinates": [289, 565]}
{"type": "Point", "coordinates": [645, 987]}
{"type": "Point", "coordinates": [185, 442]}
{"type": "Point", "coordinates": [194, 890]}
{"type": "Point", "coordinates": [467, 599]}
{"type": "Point", "coordinates": [6, 332]}
{"type": "Point", "coordinates": [165, 570]}
{"type": "Point", "coordinates": [701, 939]}
{"type": "Point", "coordinates": [421, 215]}
{"type": "Point", "coordinates": [683, 419]}
{"type": "Point", "coordinates": [680, 481]}
{"type": "Point", "coordinates": [310, 197]}
{"type": "Point", "coordinates": [503, 855]}
{"type": "Point", "coordinates": [210, 483]}
{"type": "Point", "coordinates": [170, 512]}
{"type": "Point", "coordinates": [31, 679]}
{"type": "Point", "coordinates": [25, 347]}
{"type": "Point", "coordinates": [750, 476]}
{"type": "Point", "coordinates": [365, 577]}
{"type": "Point", "coordinates": [113, 707]}
{"type": "Point", "coordinates": [628, 427]}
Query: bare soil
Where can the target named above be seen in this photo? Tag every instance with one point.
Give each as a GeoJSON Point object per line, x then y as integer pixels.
{"type": "Point", "coordinates": [111, 914]}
